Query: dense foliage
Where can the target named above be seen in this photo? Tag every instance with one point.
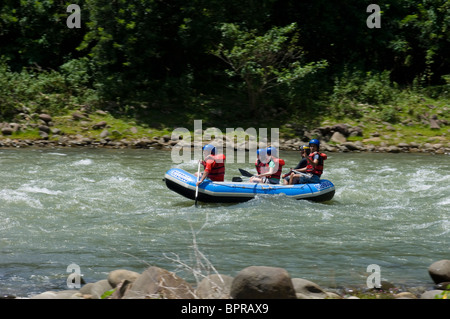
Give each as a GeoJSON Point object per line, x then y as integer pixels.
{"type": "Point", "coordinates": [213, 57]}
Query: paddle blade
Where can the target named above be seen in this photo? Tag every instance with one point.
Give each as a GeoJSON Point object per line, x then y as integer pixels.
{"type": "Point", "coordinates": [245, 173]}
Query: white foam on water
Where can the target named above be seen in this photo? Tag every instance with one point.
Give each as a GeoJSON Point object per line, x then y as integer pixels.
{"type": "Point", "coordinates": [57, 154]}
{"type": "Point", "coordinates": [444, 202]}
{"type": "Point", "coordinates": [192, 164]}
{"type": "Point", "coordinates": [83, 162]}
{"type": "Point", "coordinates": [39, 190]}
{"type": "Point", "coordinates": [15, 197]}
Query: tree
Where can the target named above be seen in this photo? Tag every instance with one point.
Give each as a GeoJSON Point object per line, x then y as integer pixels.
{"type": "Point", "coordinates": [422, 41]}
{"type": "Point", "coordinates": [263, 62]}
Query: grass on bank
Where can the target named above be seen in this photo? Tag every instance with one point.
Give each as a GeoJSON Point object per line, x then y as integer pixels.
{"type": "Point", "coordinates": [375, 130]}
{"type": "Point", "coordinates": [386, 113]}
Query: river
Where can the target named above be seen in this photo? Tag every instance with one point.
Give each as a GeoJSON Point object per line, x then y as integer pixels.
{"type": "Point", "coordinates": [109, 209]}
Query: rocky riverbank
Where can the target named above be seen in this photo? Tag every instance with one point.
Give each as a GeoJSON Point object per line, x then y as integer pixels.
{"type": "Point", "coordinates": [254, 282]}
{"type": "Point", "coordinates": [100, 130]}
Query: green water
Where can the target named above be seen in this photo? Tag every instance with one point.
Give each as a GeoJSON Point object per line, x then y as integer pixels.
{"type": "Point", "coordinates": [109, 209]}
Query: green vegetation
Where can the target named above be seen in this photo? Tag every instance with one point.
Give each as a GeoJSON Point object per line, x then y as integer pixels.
{"type": "Point", "coordinates": [445, 294]}
{"type": "Point", "coordinates": [157, 65]}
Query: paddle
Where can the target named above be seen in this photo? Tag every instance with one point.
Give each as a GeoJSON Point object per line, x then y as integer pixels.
{"type": "Point", "coordinates": [245, 173]}
{"type": "Point", "coordinates": [196, 187]}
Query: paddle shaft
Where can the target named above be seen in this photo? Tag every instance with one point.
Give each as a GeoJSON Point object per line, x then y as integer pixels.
{"type": "Point", "coordinates": [196, 187]}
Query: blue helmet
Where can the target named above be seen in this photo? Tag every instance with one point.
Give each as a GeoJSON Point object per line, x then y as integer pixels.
{"type": "Point", "coordinates": [272, 151]}
{"type": "Point", "coordinates": [314, 141]}
{"type": "Point", "coordinates": [209, 147]}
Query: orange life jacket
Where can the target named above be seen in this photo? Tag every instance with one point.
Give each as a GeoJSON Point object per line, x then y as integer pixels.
{"type": "Point", "coordinates": [318, 170]}
{"type": "Point", "coordinates": [259, 166]}
{"type": "Point", "coordinates": [217, 172]}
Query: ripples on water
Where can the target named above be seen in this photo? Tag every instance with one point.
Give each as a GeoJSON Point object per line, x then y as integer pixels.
{"type": "Point", "coordinates": [109, 209]}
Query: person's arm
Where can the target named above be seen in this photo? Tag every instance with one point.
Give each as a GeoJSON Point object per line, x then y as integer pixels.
{"type": "Point", "coordinates": [315, 161]}
{"type": "Point", "coordinates": [271, 170]}
{"type": "Point", "coordinates": [205, 174]}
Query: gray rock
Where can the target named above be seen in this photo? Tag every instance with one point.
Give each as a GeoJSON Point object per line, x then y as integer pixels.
{"type": "Point", "coordinates": [214, 287]}
{"type": "Point", "coordinates": [341, 128]}
{"type": "Point", "coordinates": [104, 134]}
{"type": "Point", "coordinates": [431, 294]}
{"type": "Point", "coordinates": [133, 130]}
{"type": "Point", "coordinates": [97, 289]}
{"type": "Point", "coordinates": [7, 130]}
{"type": "Point", "coordinates": [434, 124]}
{"type": "Point", "coordinates": [445, 285]}
{"type": "Point", "coordinates": [68, 294]}
{"type": "Point", "coordinates": [306, 289]}
{"type": "Point", "coordinates": [338, 137]}
{"type": "Point", "coordinates": [45, 295]}
{"type": "Point", "coordinates": [156, 282]}
{"type": "Point", "coordinates": [99, 125]}
{"type": "Point", "coordinates": [259, 282]}
{"type": "Point", "coordinates": [78, 116]}
{"type": "Point", "coordinates": [45, 117]}
{"type": "Point", "coordinates": [405, 295]}
{"type": "Point", "coordinates": [351, 146]}
{"type": "Point", "coordinates": [44, 128]}
{"type": "Point", "coordinates": [64, 294]}
{"type": "Point", "coordinates": [393, 149]}
{"type": "Point", "coordinates": [440, 271]}
{"type": "Point", "coordinates": [117, 276]}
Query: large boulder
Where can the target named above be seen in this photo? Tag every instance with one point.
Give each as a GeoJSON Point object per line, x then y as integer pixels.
{"type": "Point", "coordinates": [115, 277]}
{"type": "Point", "coordinates": [156, 282]}
{"type": "Point", "coordinates": [64, 294]}
{"type": "Point", "coordinates": [440, 271]}
{"type": "Point", "coordinates": [261, 282]}
{"type": "Point", "coordinates": [96, 289]}
{"type": "Point", "coordinates": [214, 287]}
{"type": "Point", "coordinates": [338, 137]}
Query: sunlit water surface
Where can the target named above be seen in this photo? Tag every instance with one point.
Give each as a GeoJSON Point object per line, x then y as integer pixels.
{"type": "Point", "coordinates": [109, 209]}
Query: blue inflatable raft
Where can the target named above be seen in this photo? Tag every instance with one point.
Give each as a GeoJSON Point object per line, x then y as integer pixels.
{"type": "Point", "coordinates": [183, 183]}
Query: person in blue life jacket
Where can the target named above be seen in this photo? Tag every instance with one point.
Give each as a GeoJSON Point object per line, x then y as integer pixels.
{"type": "Point", "coordinates": [304, 152]}
{"type": "Point", "coordinates": [314, 169]}
{"type": "Point", "coordinates": [270, 167]}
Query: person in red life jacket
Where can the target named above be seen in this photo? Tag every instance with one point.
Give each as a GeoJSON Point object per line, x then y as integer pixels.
{"type": "Point", "coordinates": [261, 164]}
{"type": "Point", "coordinates": [214, 165]}
{"type": "Point", "coordinates": [304, 152]}
{"type": "Point", "coordinates": [313, 171]}
{"type": "Point", "coordinates": [275, 165]}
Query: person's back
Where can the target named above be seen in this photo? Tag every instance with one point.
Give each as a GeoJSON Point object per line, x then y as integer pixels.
{"type": "Point", "coordinates": [215, 165]}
